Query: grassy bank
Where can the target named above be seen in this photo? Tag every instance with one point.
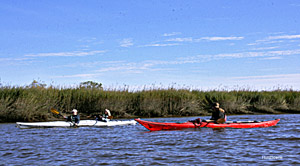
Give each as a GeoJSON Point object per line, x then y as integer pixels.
{"type": "Point", "coordinates": [33, 103]}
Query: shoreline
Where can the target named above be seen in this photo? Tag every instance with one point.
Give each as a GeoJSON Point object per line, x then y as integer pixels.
{"type": "Point", "coordinates": [59, 119]}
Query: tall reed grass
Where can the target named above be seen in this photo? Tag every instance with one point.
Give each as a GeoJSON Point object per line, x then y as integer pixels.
{"type": "Point", "coordinates": [32, 103]}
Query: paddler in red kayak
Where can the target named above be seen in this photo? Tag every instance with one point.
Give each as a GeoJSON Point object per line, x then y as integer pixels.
{"type": "Point", "coordinates": [218, 114]}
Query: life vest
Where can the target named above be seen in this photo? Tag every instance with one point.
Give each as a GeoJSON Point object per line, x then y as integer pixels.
{"type": "Point", "coordinates": [219, 116]}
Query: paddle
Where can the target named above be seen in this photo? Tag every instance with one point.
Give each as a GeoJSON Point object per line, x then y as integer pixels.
{"type": "Point", "coordinates": [53, 110]}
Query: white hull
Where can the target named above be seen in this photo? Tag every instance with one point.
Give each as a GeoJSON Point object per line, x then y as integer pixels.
{"type": "Point", "coordinates": [82, 123]}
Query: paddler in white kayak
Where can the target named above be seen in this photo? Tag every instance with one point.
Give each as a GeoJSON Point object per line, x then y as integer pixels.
{"type": "Point", "coordinates": [75, 118]}
{"type": "Point", "coordinates": [105, 117]}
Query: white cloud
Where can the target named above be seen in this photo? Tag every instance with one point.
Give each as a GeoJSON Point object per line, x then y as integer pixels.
{"type": "Point", "coordinates": [90, 64]}
{"type": "Point", "coordinates": [187, 39]}
{"type": "Point", "coordinates": [263, 82]}
{"type": "Point", "coordinates": [161, 45]}
{"type": "Point", "coordinates": [272, 58]}
{"type": "Point", "coordinates": [66, 54]}
{"type": "Point", "coordinates": [171, 34]}
{"type": "Point", "coordinates": [215, 38]}
{"type": "Point", "coordinates": [17, 61]}
{"type": "Point", "coordinates": [79, 76]}
{"type": "Point", "coordinates": [14, 59]}
{"type": "Point", "coordinates": [87, 39]}
{"type": "Point", "coordinates": [139, 67]}
{"type": "Point", "coordinates": [126, 42]}
{"type": "Point", "coordinates": [275, 39]}
{"type": "Point", "coordinates": [202, 58]}
{"type": "Point", "coordinates": [284, 37]}
{"type": "Point", "coordinates": [126, 67]}
{"type": "Point", "coordinates": [258, 42]}
{"type": "Point", "coordinates": [284, 52]}
{"type": "Point", "coordinates": [264, 48]}
{"type": "Point", "coordinates": [117, 67]}
{"type": "Point", "coordinates": [265, 55]}
{"type": "Point", "coordinates": [221, 38]}
{"type": "Point", "coordinates": [278, 79]}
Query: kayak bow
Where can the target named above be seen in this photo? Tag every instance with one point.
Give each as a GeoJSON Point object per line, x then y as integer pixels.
{"type": "Point", "coordinates": [155, 126]}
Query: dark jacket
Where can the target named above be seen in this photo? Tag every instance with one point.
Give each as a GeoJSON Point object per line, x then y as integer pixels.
{"type": "Point", "coordinates": [102, 118]}
{"type": "Point", "coordinates": [218, 113]}
{"type": "Point", "coordinates": [74, 118]}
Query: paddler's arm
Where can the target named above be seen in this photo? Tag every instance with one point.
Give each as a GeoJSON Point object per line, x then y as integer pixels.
{"type": "Point", "coordinates": [208, 120]}
{"type": "Point", "coordinates": [68, 118]}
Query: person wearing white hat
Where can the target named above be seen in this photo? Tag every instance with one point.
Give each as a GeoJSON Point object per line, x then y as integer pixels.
{"type": "Point", "coordinates": [74, 118]}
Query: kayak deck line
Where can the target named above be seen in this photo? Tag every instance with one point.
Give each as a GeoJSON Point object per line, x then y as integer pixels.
{"type": "Point", "coordinates": [228, 122]}
{"type": "Point", "coordinates": [156, 126]}
{"type": "Point", "coordinates": [82, 123]}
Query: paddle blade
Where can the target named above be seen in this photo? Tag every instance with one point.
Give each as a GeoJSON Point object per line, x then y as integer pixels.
{"type": "Point", "coordinates": [54, 111]}
{"type": "Point", "coordinates": [110, 117]}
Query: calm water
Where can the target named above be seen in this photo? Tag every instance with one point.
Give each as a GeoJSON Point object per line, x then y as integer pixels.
{"type": "Point", "coordinates": [134, 145]}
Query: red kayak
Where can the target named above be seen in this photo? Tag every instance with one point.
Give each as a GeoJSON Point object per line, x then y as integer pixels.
{"type": "Point", "coordinates": [155, 126]}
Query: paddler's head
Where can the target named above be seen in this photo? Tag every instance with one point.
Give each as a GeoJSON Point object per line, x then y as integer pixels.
{"type": "Point", "coordinates": [74, 111]}
{"type": "Point", "coordinates": [216, 105]}
{"type": "Point", "coordinates": [107, 112]}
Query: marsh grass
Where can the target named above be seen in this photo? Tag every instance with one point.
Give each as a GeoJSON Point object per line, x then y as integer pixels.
{"type": "Point", "coordinates": [33, 103]}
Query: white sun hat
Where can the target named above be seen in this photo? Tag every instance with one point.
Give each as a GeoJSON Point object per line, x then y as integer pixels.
{"type": "Point", "coordinates": [109, 114]}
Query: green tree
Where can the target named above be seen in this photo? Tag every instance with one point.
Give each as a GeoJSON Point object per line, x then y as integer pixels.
{"type": "Point", "coordinates": [36, 84]}
{"type": "Point", "coordinates": [91, 85]}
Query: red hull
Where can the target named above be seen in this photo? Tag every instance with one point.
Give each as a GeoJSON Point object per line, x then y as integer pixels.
{"type": "Point", "coordinates": [155, 126]}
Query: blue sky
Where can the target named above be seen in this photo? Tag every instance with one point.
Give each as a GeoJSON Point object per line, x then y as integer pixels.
{"type": "Point", "coordinates": [250, 44]}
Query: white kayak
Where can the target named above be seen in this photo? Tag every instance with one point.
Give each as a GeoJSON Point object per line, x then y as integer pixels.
{"type": "Point", "coordinates": [82, 123]}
